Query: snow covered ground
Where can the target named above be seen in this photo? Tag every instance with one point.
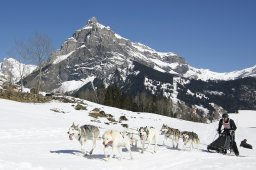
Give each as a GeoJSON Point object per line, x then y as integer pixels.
{"type": "Point", "coordinates": [32, 137]}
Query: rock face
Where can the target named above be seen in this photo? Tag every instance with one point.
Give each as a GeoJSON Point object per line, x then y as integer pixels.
{"type": "Point", "coordinates": [95, 50]}
{"type": "Point", "coordinates": [96, 56]}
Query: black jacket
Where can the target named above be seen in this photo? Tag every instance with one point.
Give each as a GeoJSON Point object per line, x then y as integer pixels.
{"type": "Point", "coordinates": [232, 125]}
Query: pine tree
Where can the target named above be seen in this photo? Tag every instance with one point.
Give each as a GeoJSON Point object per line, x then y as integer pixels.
{"type": "Point", "coordinates": [113, 96]}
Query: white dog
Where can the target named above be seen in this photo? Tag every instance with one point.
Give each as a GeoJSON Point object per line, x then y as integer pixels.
{"type": "Point", "coordinates": [116, 140]}
{"type": "Point", "coordinates": [148, 134]}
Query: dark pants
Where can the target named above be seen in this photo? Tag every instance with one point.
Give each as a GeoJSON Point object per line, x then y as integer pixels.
{"type": "Point", "coordinates": [230, 142]}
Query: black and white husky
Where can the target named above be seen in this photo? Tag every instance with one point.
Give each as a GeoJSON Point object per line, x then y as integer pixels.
{"type": "Point", "coordinates": [84, 133]}
{"type": "Point", "coordinates": [171, 133]}
{"type": "Point", "coordinates": [148, 134]}
{"type": "Point", "coordinates": [134, 136]}
{"type": "Point", "coordinates": [190, 137]}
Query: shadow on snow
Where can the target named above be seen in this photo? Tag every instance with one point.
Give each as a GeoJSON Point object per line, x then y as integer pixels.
{"type": "Point", "coordinates": [79, 153]}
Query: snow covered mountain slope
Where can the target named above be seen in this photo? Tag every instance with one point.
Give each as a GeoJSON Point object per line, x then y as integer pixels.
{"type": "Point", "coordinates": [205, 74]}
{"type": "Point", "coordinates": [190, 71]}
{"type": "Point", "coordinates": [35, 138]}
{"type": "Point", "coordinates": [10, 69]}
{"type": "Point", "coordinates": [162, 61]}
{"type": "Point", "coordinates": [97, 51]}
{"type": "Point", "coordinates": [96, 57]}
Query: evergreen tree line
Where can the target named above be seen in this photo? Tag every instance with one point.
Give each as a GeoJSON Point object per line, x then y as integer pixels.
{"type": "Point", "coordinates": [142, 102]}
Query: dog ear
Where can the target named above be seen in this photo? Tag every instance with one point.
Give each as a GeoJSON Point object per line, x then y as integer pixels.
{"type": "Point", "coordinates": [73, 125]}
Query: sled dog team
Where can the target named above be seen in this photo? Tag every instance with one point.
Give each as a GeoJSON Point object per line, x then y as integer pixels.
{"type": "Point", "coordinates": [115, 139]}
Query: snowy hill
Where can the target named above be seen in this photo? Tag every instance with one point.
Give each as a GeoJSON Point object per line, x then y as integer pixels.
{"type": "Point", "coordinates": [10, 69]}
{"type": "Point", "coordinates": [35, 138]}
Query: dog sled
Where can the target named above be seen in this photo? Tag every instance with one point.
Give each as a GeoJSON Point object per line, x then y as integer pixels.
{"type": "Point", "coordinates": [224, 143]}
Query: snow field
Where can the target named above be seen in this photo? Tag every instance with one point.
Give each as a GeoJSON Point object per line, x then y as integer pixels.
{"type": "Point", "coordinates": [32, 137]}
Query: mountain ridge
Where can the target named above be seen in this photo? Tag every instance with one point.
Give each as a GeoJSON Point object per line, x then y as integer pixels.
{"type": "Point", "coordinates": [165, 61]}
{"type": "Point", "coordinates": [98, 64]}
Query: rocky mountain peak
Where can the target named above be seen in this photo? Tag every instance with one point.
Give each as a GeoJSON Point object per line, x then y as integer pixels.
{"type": "Point", "coordinates": [93, 34]}
{"type": "Point", "coordinates": [97, 51]}
{"type": "Point", "coordinates": [94, 25]}
{"type": "Point", "coordinates": [93, 20]}
{"type": "Point", "coordinates": [96, 57]}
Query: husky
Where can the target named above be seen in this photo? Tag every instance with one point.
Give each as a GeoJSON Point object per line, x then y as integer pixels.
{"type": "Point", "coordinates": [84, 133]}
{"type": "Point", "coordinates": [148, 134]}
{"type": "Point", "coordinates": [190, 137]}
{"type": "Point", "coordinates": [171, 133]}
{"type": "Point", "coordinates": [116, 139]}
{"type": "Point", "coordinates": [133, 134]}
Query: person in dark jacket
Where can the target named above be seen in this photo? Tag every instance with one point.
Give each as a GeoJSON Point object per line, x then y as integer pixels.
{"type": "Point", "coordinates": [228, 124]}
{"type": "Point", "coordinates": [229, 128]}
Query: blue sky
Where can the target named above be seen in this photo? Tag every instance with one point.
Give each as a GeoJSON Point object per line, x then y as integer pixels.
{"type": "Point", "coordinates": [216, 34]}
